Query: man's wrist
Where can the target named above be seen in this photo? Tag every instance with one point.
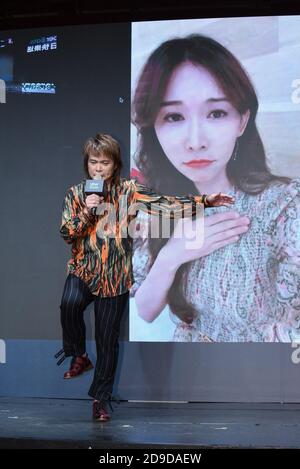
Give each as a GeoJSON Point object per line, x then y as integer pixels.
{"type": "Point", "coordinates": [88, 214]}
{"type": "Point", "coordinates": [205, 200]}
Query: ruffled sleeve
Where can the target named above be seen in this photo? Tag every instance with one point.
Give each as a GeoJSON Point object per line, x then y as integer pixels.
{"type": "Point", "coordinates": [141, 259]}
{"type": "Point", "coordinates": [285, 226]}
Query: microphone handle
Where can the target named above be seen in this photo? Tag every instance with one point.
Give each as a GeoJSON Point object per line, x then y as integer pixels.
{"type": "Point", "coordinates": [94, 209]}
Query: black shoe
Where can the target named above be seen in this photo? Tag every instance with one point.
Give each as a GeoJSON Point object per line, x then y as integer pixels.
{"type": "Point", "coordinates": [100, 412]}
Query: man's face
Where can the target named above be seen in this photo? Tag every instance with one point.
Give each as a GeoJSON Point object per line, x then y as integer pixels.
{"type": "Point", "coordinates": [100, 165]}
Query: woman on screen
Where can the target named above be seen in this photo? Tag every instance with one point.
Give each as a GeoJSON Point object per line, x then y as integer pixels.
{"type": "Point", "coordinates": [195, 108]}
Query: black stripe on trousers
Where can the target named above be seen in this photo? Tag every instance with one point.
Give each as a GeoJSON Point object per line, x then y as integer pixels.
{"type": "Point", "coordinates": [76, 297]}
{"type": "Point", "coordinates": [108, 314]}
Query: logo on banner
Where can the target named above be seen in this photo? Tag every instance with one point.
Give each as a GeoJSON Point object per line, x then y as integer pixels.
{"type": "Point", "coordinates": [2, 91]}
{"type": "Point", "coordinates": [296, 353]}
{"type": "Point", "coordinates": [2, 351]}
{"type": "Point", "coordinates": [296, 93]}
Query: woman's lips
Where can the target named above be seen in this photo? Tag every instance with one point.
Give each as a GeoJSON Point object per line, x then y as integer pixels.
{"type": "Point", "coordinates": [198, 163]}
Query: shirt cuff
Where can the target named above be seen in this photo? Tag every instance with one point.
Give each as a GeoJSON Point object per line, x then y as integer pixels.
{"type": "Point", "coordinates": [86, 216]}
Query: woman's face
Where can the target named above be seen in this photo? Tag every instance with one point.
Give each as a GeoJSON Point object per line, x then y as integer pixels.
{"type": "Point", "coordinates": [196, 125]}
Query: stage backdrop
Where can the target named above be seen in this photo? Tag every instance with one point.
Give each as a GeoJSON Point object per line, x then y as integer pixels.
{"type": "Point", "coordinates": [58, 87]}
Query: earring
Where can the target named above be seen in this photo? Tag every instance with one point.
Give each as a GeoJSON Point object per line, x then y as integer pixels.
{"type": "Point", "coordinates": [235, 152]}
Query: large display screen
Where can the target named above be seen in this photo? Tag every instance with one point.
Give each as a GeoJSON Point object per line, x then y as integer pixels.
{"type": "Point", "coordinates": [198, 106]}
{"type": "Point", "coordinates": [216, 108]}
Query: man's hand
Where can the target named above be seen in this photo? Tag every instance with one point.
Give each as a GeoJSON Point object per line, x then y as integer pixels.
{"type": "Point", "coordinates": [93, 200]}
{"type": "Point", "coordinates": [216, 200]}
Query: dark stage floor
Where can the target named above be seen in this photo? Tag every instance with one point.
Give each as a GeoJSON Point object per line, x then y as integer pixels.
{"type": "Point", "coordinates": [61, 423]}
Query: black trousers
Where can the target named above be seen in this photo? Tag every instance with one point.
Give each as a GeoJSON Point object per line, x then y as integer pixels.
{"type": "Point", "coordinates": [108, 314]}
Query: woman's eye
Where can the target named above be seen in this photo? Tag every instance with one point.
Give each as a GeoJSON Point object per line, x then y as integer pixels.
{"type": "Point", "coordinates": [218, 113]}
{"type": "Point", "coordinates": [174, 117]}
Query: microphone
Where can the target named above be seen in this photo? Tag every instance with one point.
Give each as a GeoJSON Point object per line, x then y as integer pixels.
{"type": "Point", "coordinates": [94, 186]}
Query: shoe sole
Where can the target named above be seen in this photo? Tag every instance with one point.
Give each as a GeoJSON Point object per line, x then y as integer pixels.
{"type": "Point", "coordinates": [102, 419]}
{"type": "Point", "coordinates": [89, 368]}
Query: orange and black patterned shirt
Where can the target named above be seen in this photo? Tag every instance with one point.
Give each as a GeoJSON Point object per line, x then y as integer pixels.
{"type": "Point", "coordinates": [101, 245]}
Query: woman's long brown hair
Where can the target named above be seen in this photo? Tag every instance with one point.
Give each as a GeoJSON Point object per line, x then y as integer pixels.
{"type": "Point", "coordinates": [249, 172]}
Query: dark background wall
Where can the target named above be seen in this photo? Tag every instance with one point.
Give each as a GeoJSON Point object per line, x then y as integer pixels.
{"type": "Point", "coordinates": [40, 157]}
{"type": "Point", "coordinates": [41, 141]}
{"type": "Point", "coordinates": [19, 14]}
